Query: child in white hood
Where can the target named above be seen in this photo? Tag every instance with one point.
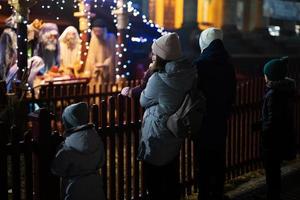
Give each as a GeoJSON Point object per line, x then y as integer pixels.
{"type": "Point", "coordinates": [80, 157]}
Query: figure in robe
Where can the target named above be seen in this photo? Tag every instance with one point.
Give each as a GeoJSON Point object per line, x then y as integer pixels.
{"type": "Point", "coordinates": [69, 42]}
{"type": "Point", "coordinates": [101, 59]}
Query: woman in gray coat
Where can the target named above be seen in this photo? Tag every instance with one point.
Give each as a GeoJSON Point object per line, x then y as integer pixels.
{"type": "Point", "coordinates": [80, 157]}
{"type": "Point", "coordinates": [162, 97]}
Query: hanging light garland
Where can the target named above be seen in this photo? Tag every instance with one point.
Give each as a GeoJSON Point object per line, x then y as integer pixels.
{"type": "Point", "coordinates": [85, 7]}
{"type": "Point", "coordinates": [122, 48]}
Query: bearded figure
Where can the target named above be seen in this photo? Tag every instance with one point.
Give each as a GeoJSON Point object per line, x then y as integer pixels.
{"type": "Point", "coordinates": [8, 46]}
{"type": "Point", "coordinates": [69, 42]}
{"type": "Point", "coordinates": [48, 46]}
{"type": "Point", "coordinates": [101, 57]}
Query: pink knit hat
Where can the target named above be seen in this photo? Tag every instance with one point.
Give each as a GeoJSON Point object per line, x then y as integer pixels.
{"type": "Point", "coordinates": [167, 47]}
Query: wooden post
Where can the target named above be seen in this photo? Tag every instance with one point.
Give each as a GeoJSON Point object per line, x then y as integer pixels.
{"type": "Point", "coordinates": [95, 116]}
{"type": "Point", "coordinates": [22, 46]}
{"type": "Point", "coordinates": [22, 9]}
{"type": "Point", "coordinates": [84, 16]}
{"type": "Point", "coordinates": [28, 165]}
{"type": "Point", "coordinates": [16, 183]}
{"type": "Point", "coordinates": [128, 157]}
{"type": "Point", "coordinates": [122, 23]}
{"type": "Point", "coordinates": [135, 144]}
{"type": "Point", "coordinates": [104, 172]}
{"type": "Point", "coordinates": [112, 150]}
{"type": "Point", "coordinates": [120, 147]}
{"type": "Point", "coordinates": [3, 98]}
{"type": "Point", "coordinates": [47, 184]}
{"type": "Point", "coordinates": [3, 142]}
{"type": "Point", "coordinates": [3, 161]}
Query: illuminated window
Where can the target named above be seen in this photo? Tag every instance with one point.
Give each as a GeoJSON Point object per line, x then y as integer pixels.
{"type": "Point", "coordinates": [169, 16]}
{"type": "Point", "coordinates": [167, 13]}
{"type": "Point", "coordinates": [210, 13]}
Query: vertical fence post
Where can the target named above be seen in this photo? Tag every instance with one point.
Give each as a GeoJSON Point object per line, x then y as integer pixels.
{"type": "Point", "coordinates": [16, 184]}
{"type": "Point", "coordinates": [95, 115]}
{"type": "Point", "coordinates": [128, 150]}
{"type": "Point", "coordinates": [47, 184]}
{"type": "Point", "coordinates": [28, 165]}
{"type": "Point", "coordinates": [3, 161]}
{"type": "Point", "coordinates": [120, 147]}
{"type": "Point", "coordinates": [135, 143]}
{"type": "Point", "coordinates": [103, 115]}
{"type": "Point", "coordinates": [3, 142]}
{"type": "Point", "coordinates": [111, 148]}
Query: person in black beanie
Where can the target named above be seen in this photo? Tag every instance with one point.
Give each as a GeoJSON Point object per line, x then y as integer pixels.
{"type": "Point", "coordinates": [278, 136]}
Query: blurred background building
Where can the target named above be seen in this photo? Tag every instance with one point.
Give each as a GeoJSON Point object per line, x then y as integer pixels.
{"type": "Point", "coordinates": [273, 24]}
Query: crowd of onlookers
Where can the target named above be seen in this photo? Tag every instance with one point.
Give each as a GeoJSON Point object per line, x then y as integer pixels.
{"type": "Point", "coordinates": [169, 77]}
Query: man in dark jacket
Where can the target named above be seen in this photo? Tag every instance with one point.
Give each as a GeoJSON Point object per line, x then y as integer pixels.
{"type": "Point", "coordinates": [278, 137]}
{"type": "Point", "coordinates": [216, 78]}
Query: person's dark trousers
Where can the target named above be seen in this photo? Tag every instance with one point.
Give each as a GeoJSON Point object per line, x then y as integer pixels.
{"type": "Point", "coordinates": [162, 182]}
{"type": "Point", "coordinates": [272, 166]}
{"type": "Point", "coordinates": [210, 153]}
{"type": "Point", "coordinates": [211, 172]}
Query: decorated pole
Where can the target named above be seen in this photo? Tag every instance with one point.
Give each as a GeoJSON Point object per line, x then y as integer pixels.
{"type": "Point", "coordinates": [122, 27]}
{"type": "Point", "coordinates": [22, 9]}
{"type": "Point", "coordinates": [84, 16]}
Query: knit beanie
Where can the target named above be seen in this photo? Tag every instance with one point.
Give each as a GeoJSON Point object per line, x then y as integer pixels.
{"type": "Point", "coordinates": [276, 69]}
{"type": "Point", "coordinates": [209, 35]}
{"type": "Point", "coordinates": [75, 115]}
{"type": "Point", "coordinates": [167, 47]}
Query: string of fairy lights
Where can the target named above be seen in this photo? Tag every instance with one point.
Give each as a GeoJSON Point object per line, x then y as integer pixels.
{"type": "Point", "coordinates": [96, 4]}
{"type": "Point", "coordinates": [122, 48]}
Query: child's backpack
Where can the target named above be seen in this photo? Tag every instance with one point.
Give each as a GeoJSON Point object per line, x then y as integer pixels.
{"type": "Point", "coordinates": [187, 120]}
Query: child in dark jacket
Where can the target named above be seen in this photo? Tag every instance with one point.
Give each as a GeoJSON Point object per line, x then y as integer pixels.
{"type": "Point", "coordinates": [80, 157]}
{"type": "Point", "coordinates": [277, 124]}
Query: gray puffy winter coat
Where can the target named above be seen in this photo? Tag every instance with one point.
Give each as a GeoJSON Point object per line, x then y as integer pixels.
{"type": "Point", "coordinates": [161, 98]}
